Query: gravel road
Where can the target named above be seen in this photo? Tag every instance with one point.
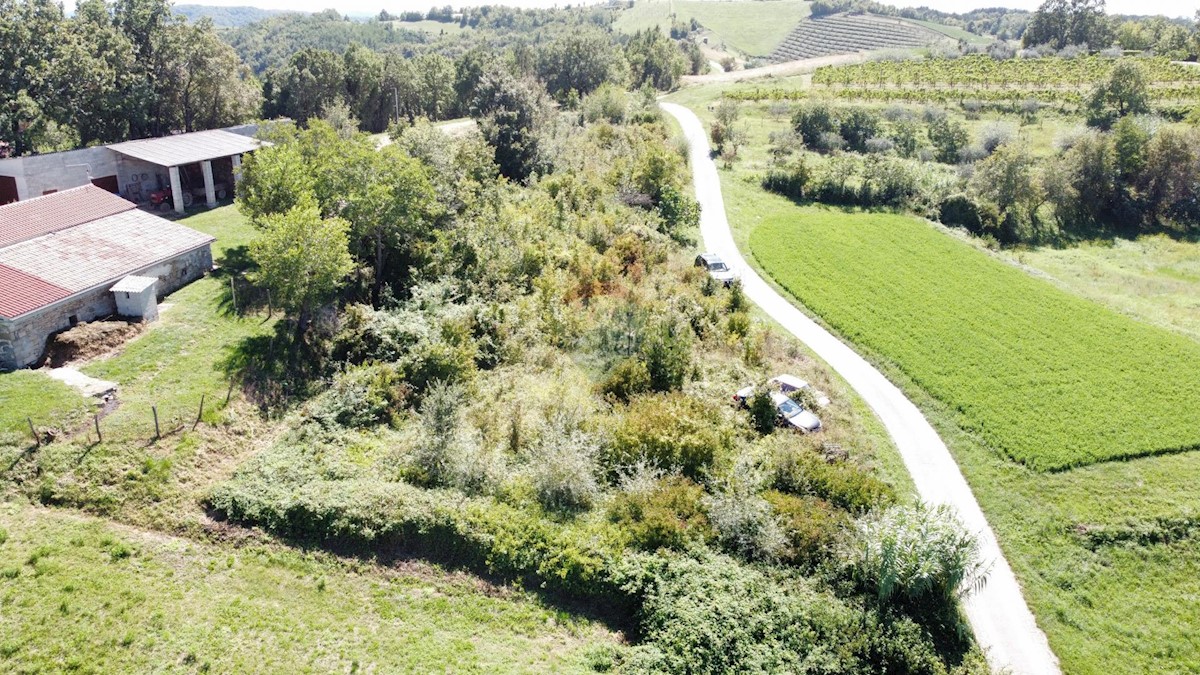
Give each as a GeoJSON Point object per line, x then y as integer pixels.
{"type": "Point", "coordinates": [1002, 622]}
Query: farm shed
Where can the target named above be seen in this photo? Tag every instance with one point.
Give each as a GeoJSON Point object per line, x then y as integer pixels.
{"type": "Point", "coordinates": [215, 152]}
{"type": "Point", "coordinates": [136, 168]}
{"type": "Point", "coordinates": [62, 254]}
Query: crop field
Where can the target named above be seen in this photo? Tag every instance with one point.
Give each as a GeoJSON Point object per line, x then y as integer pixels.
{"type": "Point", "coordinates": [1050, 380]}
{"type": "Point", "coordinates": [983, 70]}
{"type": "Point", "coordinates": [847, 33]}
{"type": "Point", "coordinates": [754, 28]}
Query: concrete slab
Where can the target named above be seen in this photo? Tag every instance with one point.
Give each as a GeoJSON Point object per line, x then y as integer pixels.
{"type": "Point", "coordinates": [88, 386]}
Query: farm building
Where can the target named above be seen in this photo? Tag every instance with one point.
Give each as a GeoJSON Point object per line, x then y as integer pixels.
{"type": "Point", "coordinates": [82, 254]}
{"type": "Point", "coordinates": [178, 169]}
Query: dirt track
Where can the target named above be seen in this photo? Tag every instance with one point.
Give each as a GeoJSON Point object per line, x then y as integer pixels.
{"type": "Point", "coordinates": [777, 69]}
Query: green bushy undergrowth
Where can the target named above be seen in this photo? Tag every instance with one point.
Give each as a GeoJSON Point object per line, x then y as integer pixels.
{"type": "Point", "coordinates": [549, 404]}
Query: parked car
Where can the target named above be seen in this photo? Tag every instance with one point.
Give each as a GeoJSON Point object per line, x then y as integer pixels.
{"type": "Point", "coordinates": [792, 415]}
{"type": "Point", "coordinates": [787, 384]}
{"type": "Point", "coordinates": [716, 268]}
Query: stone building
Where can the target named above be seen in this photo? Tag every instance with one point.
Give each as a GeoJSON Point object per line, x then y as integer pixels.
{"type": "Point", "coordinates": [62, 254]}
{"type": "Point", "coordinates": [200, 166]}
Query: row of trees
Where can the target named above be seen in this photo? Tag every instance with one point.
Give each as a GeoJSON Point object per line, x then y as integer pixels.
{"type": "Point", "coordinates": [383, 87]}
{"type": "Point", "coordinates": [1063, 23]}
{"type": "Point", "coordinates": [113, 71]}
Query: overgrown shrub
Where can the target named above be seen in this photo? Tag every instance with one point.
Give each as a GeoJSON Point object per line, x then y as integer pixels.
{"type": "Point", "coordinates": [626, 379]}
{"type": "Point", "coordinates": [666, 513]}
{"type": "Point", "coordinates": [562, 467]}
{"type": "Point", "coordinates": [671, 431]}
{"type": "Point", "coordinates": [962, 211]}
{"type": "Point", "coordinates": [363, 397]}
{"type": "Point", "coordinates": [667, 353]}
{"type": "Point", "coordinates": [790, 180]}
{"type": "Point", "coordinates": [812, 527]}
{"type": "Point", "coordinates": [800, 471]}
{"type": "Point", "coordinates": [918, 554]}
{"type": "Point", "coordinates": [763, 414]}
{"type": "Point", "coordinates": [745, 523]}
{"type": "Point", "coordinates": [448, 453]}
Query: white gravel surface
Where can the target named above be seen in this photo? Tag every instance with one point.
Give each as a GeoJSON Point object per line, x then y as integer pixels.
{"type": "Point", "coordinates": [1002, 622]}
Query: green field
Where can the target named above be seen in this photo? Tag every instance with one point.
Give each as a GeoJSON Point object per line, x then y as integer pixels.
{"type": "Point", "coordinates": [1051, 380]}
{"type": "Point", "coordinates": [1155, 278]}
{"type": "Point", "coordinates": [28, 395]}
{"type": "Point", "coordinates": [1127, 607]}
{"type": "Point", "coordinates": [80, 595]}
{"type": "Point", "coordinates": [754, 28]}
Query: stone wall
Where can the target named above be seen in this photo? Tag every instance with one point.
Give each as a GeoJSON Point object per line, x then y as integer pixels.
{"type": "Point", "coordinates": [23, 340]}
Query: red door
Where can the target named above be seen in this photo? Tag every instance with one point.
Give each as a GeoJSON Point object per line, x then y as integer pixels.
{"type": "Point", "coordinates": [8, 189]}
{"type": "Point", "coordinates": [108, 183]}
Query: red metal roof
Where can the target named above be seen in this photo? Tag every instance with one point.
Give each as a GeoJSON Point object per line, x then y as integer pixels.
{"type": "Point", "coordinates": [58, 211]}
{"type": "Point", "coordinates": [21, 292]}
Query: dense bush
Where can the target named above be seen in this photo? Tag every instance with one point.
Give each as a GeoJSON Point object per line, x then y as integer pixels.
{"type": "Point", "coordinates": [744, 522]}
{"type": "Point", "coordinates": [671, 431]}
{"type": "Point", "coordinates": [663, 513]}
{"type": "Point", "coordinates": [812, 527]}
{"type": "Point", "coordinates": [918, 554]}
{"type": "Point", "coordinates": [764, 416]}
{"type": "Point", "coordinates": [563, 468]}
{"type": "Point", "coordinates": [962, 211]}
{"type": "Point", "coordinates": [709, 614]}
{"type": "Point", "coordinates": [790, 180]}
{"type": "Point", "coordinates": [800, 471]}
{"type": "Point", "coordinates": [667, 353]}
{"type": "Point", "coordinates": [626, 379]}
{"type": "Point", "coordinates": [363, 397]}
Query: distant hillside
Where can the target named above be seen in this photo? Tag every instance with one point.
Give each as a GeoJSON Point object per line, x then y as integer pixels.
{"type": "Point", "coordinates": [849, 33]}
{"type": "Point", "coordinates": [227, 17]}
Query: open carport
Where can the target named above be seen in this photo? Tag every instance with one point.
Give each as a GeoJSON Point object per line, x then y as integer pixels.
{"type": "Point", "coordinates": [217, 154]}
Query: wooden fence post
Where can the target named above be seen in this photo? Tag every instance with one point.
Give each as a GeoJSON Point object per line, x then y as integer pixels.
{"type": "Point", "coordinates": [157, 433]}
{"type": "Point", "coordinates": [34, 432]}
{"type": "Point", "coordinates": [199, 414]}
{"type": "Point", "coordinates": [96, 419]}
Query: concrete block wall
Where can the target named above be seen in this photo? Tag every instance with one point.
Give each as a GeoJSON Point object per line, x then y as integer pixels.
{"type": "Point", "coordinates": [38, 174]}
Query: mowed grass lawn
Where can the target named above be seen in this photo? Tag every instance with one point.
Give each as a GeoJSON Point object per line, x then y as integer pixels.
{"type": "Point", "coordinates": [80, 595]}
{"type": "Point", "coordinates": [27, 395]}
{"type": "Point", "coordinates": [1051, 380]}
{"type": "Point", "coordinates": [754, 27]}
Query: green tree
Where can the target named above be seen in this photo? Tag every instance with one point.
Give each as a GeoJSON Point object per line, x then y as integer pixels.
{"type": "Point", "coordinates": [1171, 173]}
{"type": "Point", "coordinates": [948, 137]}
{"type": "Point", "coordinates": [1006, 179]}
{"type": "Point", "coordinates": [813, 120]}
{"type": "Point", "coordinates": [578, 61]}
{"type": "Point", "coordinates": [512, 112]}
{"type": "Point", "coordinates": [1059, 23]}
{"type": "Point", "coordinates": [654, 59]}
{"type": "Point", "coordinates": [302, 259]}
{"type": "Point", "coordinates": [274, 180]}
{"type": "Point", "coordinates": [390, 205]}
{"type": "Point", "coordinates": [1124, 93]}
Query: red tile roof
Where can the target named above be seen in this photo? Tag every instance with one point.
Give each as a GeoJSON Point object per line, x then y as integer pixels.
{"type": "Point", "coordinates": [58, 211]}
{"type": "Point", "coordinates": [21, 292]}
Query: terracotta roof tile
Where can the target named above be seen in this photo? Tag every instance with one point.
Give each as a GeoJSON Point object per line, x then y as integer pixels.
{"type": "Point", "coordinates": [21, 293]}
{"type": "Point", "coordinates": [102, 251]}
{"type": "Point", "coordinates": [35, 217]}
